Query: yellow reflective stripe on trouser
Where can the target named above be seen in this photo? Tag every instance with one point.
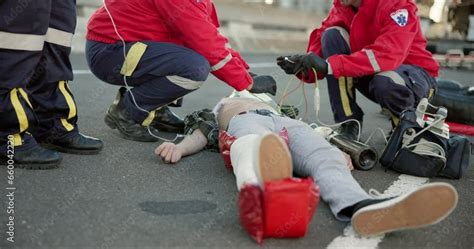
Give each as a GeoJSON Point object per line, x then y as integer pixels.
{"type": "Point", "coordinates": [17, 139]}
{"type": "Point", "coordinates": [395, 119]}
{"type": "Point", "coordinates": [67, 125]}
{"type": "Point", "coordinates": [19, 110]}
{"type": "Point", "coordinates": [133, 58]}
{"type": "Point", "coordinates": [350, 87]}
{"type": "Point", "coordinates": [25, 96]}
{"type": "Point", "coordinates": [431, 93]}
{"type": "Point", "coordinates": [71, 105]}
{"type": "Point", "coordinates": [344, 98]}
{"type": "Point", "coordinates": [150, 118]}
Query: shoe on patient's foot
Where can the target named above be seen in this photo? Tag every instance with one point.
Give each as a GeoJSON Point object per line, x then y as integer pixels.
{"type": "Point", "coordinates": [272, 159]}
{"type": "Point", "coordinates": [422, 207]}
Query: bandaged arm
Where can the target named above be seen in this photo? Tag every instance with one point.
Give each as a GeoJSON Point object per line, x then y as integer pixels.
{"type": "Point", "coordinates": [191, 144]}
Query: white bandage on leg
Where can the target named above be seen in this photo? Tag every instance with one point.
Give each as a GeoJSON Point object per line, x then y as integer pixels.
{"type": "Point", "coordinates": [242, 156]}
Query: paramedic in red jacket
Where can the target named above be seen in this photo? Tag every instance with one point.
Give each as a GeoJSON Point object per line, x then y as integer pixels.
{"type": "Point", "coordinates": [374, 46]}
{"type": "Point", "coordinates": [171, 47]}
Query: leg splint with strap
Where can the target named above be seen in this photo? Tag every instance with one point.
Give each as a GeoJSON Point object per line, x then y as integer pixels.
{"type": "Point", "coordinates": [278, 209]}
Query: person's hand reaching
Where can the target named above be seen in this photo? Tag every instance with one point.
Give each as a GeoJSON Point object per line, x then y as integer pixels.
{"type": "Point", "coordinates": [303, 64]}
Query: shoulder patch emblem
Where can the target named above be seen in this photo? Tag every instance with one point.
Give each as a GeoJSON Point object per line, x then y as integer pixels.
{"type": "Point", "coordinates": [400, 17]}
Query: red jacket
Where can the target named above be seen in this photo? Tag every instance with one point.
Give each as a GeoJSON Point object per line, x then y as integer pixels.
{"type": "Point", "coordinates": [190, 23]}
{"type": "Point", "coordinates": [383, 35]}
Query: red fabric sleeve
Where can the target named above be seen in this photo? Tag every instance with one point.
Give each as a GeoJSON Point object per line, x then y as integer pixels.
{"type": "Point", "coordinates": [237, 55]}
{"type": "Point", "coordinates": [388, 51]}
{"type": "Point", "coordinates": [191, 19]}
{"type": "Point", "coordinates": [338, 16]}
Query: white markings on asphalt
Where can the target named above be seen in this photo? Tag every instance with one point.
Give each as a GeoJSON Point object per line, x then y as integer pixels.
{"type": "Point", "coordinates": [404, 184]}
{"type": "Point", "coordinates": [350, 239]}
{"type": "Point", "coordinates": [252, 65]}
{"type": "Point", "coordinates": [81, 71]}
{"type": "Point", "coordinates": [262, 65]}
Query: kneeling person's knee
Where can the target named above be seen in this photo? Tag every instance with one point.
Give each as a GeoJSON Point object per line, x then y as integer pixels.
{"type": "Point", "coordinates": [196, 71]}
{"type": "Point", "coordinates": [335, 40]}
{"type": "Point", "coordinates": [391, 92]}
{"type": "Point", "coordinates": [199, 68]}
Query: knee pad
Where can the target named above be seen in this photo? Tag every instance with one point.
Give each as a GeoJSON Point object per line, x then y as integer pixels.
{"type": "Point", "coordinates": [283, 209]}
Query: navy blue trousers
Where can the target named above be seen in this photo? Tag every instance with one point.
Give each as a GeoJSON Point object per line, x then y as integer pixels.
{"type": "Point", "coordinates": [165, 72]}
{"type": "Point", "coordinates": [393, 90]}
{"type": "Point", "coordinates": [34, 70]}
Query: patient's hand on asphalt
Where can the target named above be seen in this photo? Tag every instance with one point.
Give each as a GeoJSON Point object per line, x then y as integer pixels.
{"type": "Point", "coordinates": [169, 152]}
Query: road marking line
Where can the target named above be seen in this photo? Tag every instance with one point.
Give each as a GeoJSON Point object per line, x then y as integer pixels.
{"type": "Point", "coordinates": [81, 71]}
{"type": "Point", "coordinates": [262, 65]}
{"type": "Point", "coordinates": [252, 65]}
{"type": "Point", "coordinates": [350, 239]}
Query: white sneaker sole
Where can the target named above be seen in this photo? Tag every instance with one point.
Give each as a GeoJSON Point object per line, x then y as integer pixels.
{"type": "Point", "coordinates": [274, 159]}
{"type": "Point", "coordinates": [422, 207]}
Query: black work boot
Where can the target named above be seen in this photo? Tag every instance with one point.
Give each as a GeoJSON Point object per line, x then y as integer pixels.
{"type": "Point", "coordinates": [166, 120]}
{"type": "Point", "coordinates": [350, 130]}
{"type": "Point", "coordinates": [118, 117]}
{"type": "Point", "coordinates": [35, 157]}
{"type": "Point", "coordinates": [78, 144]}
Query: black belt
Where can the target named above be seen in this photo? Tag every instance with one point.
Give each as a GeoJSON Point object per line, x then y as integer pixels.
{"type": "Point", "coordinates": [263, 112]}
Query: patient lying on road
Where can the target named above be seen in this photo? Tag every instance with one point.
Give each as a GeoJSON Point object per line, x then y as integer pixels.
{"type": "Point", "coordinates": [257, 128]}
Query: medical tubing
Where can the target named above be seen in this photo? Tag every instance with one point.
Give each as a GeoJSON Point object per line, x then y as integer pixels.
{"type": "Point", "coordinates": [125, 77]}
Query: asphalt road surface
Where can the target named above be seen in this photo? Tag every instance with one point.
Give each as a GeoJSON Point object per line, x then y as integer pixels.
{"type": "Point", "coordinates": [127, 198]}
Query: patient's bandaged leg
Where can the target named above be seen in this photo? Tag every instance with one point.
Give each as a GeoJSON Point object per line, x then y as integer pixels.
{"type": "Point", "coordinates": [260, 158]}
{"type": "Point", "coordinates": [271, 202]}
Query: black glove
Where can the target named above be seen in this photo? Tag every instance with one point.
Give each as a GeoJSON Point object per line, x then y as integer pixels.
{"type": "Point", "coordinates": [290, 64]}
{"type": "Point", "coordinates": [263, 84]}
{"type": "Point", "coordinates": [304, 63]}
